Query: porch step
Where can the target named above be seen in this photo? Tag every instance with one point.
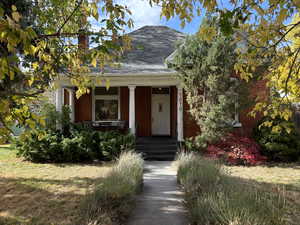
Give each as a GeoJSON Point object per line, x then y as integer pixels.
{"type": "Point", "coordinates": [157, 148]}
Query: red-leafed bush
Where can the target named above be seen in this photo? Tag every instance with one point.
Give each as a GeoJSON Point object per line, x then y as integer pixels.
{"type": "Point", "coordinates": [236, 150]}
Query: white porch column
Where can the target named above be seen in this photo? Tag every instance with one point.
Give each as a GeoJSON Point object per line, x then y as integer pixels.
{"type": "Point", "coordinates": [59, 99]}
{"type": "Point", "coordinates": [132, 108]}
{"type": "Point", "coordinates": [72, 104]}
{"type": "Point", "coordinates": [179, 113]}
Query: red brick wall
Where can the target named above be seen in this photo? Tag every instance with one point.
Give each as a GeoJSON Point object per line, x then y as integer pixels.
{"type": "Point", "coordinates": [124, 104]}
{"type": "Point", "coordinates": [83, 108]}
{"type": "Point", "coordinates": [190, 128]}
{"type": "Point", "coordinates": [257, 89]}
{"type": "Point", "coordinates": [143, 111]}
{"type": "Point", "coordinates": [66, 97]}
{"type": "Point", "coordinates": [83, 111]}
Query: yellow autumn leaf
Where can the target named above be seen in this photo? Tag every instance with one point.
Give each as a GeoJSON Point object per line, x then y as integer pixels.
{"type": "Point", "coordinates": [35, 65]}
{"type": "Point", "coordinates": [42, 122]}
{"type": "Point", "coordinates": [94, 62]}
{"type": "Point", "coordinates": [107, 84]}
{"type": "Point", "coordinates": [40, 136]}
{"type": "Point", "coordinates": [11, 75]}
{"type": "Point", "coordinates": [276, 129]}
{"type": "Point", "coordinates": [14, 8]}
{"type": "Point", "coordinates": [282, 15]}
{"type": "Point", "coordinates": [16, 16]}
{"type": "Point", "coordinates": [30, 81]}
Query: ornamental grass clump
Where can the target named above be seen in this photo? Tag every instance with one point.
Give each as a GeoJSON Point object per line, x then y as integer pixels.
{"type": "Point", "coordinates": [113, 199]}
{"type": "Point", "coordinates": [214, 197]}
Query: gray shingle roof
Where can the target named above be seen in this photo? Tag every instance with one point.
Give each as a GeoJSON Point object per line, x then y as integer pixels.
{"type": "Point", "coordinates": [151, 45]}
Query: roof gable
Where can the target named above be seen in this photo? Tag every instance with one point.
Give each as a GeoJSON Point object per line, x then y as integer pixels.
{"type": "Point", "coordinates": [150, 46]}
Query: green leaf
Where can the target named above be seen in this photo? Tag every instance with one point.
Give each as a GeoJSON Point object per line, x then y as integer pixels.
{"type": "Point", "coordinates": [1, 12]}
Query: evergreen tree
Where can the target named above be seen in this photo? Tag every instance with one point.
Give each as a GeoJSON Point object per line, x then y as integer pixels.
{"type": "Point", "coordinates": [206, 67]}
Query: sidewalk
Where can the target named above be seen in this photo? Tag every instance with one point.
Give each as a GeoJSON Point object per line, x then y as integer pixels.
{"type": "Point", "coordinates": [160, 203]}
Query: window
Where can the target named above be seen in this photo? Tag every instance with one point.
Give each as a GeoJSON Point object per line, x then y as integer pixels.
{"type": "Point", "coordinates": [235, 117]}
{"type": "Point", "coordinates": [106, 104]}
{"type": "Point", "coordinates": [236, 120]}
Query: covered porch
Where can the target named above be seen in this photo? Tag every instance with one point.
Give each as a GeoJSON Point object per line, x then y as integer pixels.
{"type": "Point", "coordinates": [146, 106]}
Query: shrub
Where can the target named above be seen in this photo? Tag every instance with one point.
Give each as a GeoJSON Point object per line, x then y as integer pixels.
{"type": "Point", "coordinates": [214, 197]}
{"type": "Point", "coordinates": [236, 150]}
{"type": "Point", "coordinates": [113, 143]}
{"type": "Point", "coordinates": [233, 149]}
{"type": "Point", "coordinates": [81, 145]}
{"type": "Point", "coordinates": [72, 143]}
{"type": "Point", "coordinates": [38, 146]}
{"type": "Point", "coordinates": [112, 201]}
{"type": "Point", "coordinates": [278, 146]}
{"type": "Point", "coordinates": [53, 117]}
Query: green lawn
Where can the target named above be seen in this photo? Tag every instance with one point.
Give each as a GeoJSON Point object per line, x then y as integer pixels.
{"type": "Point", "coordinates": [34, 194]}
{"type": "Point", "coordinates": [275, 177]}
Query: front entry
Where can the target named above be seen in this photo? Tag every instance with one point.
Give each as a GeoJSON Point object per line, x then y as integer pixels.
{"type": "Point", "coordinates": [161, 111]}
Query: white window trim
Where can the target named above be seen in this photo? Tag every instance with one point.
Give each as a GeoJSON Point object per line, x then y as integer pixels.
{"type": "Point", "coordinates": [236, 122]}
{"type": "Point", "coordinates": [105, 97]}
{"type": "Point", "coordinates": [63, 96]}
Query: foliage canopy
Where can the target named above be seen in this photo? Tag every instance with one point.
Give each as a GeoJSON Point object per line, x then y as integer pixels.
{"type": "Point", "coordinates": [37, 41]}
{"type": "Point", "coordinates": [270, 30]}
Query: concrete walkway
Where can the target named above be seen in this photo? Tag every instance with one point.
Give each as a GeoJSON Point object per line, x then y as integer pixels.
{"type": "Point", "coordinates": [160, 203]}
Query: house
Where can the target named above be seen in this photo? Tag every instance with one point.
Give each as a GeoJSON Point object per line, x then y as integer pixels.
{"type": "Point", "coordinates": [144, 95]}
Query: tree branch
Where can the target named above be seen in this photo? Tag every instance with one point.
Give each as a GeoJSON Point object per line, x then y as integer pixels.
{"type": "Point", "coordinates": [291, 70]}
{"type": "Point", "coordinates": [286, 33]}
{"type": "Point", "coordinates": [70, 16]}
{"type": "Point", "coordinates": [57, 35]}
{"type": "Point", "coordinates": [5, 93]}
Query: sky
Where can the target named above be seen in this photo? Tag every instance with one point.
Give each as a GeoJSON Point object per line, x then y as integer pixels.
{"type": "Point", "coordinates": [143, 14]}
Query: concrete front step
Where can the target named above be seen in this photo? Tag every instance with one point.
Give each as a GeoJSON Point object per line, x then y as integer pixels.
{"type": "Point", "coordinates": [157, 151]}
{"type": "Point", "coordinates": [157, 148]}
{"type": "Point", "coordinates": [159, 158]}
{"type": "Point", "coordinates": [156, 140]}
{"type": "Point", "coordinates": [155, 144]}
